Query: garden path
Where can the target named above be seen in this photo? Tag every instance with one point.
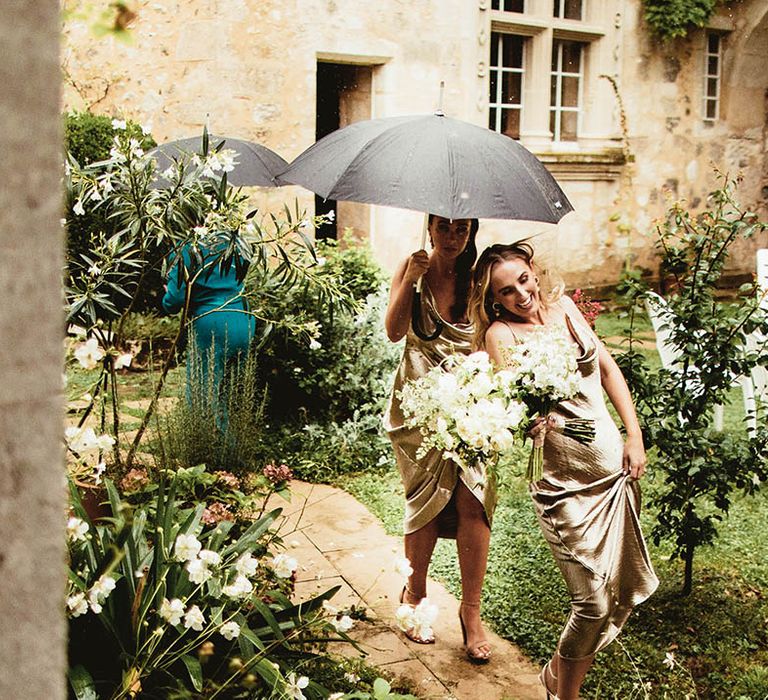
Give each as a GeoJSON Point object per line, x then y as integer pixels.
{"type": "Point", "coordinates": [337, 541]}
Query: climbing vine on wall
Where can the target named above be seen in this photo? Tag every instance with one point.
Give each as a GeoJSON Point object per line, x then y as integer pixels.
{"type": "Point", "coordinates": [670, 19]}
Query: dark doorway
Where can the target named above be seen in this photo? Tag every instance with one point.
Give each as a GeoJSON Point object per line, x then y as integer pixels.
{"type": "Point", "coordinates": [338, 91]}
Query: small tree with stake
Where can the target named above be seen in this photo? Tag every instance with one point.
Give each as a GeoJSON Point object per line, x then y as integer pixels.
{"type": "Point", "coordinates": [701, 468]}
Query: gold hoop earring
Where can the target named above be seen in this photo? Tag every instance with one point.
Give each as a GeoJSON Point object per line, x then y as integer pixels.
{"type": "Point", "coordinates": [496, 308]}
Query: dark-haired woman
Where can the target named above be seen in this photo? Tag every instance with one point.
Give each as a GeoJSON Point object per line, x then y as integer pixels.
{"type": "Point", "coordinates": [441, 499]}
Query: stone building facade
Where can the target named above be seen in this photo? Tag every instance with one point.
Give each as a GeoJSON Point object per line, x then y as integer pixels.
{"type": "Point", "coordinates": [618, 118]}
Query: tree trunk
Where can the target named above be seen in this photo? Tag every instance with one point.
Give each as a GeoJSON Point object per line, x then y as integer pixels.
{"type": "Point", "coordinates": [32, 487]}
{"type": "Point", "coordinates": [688, 578]}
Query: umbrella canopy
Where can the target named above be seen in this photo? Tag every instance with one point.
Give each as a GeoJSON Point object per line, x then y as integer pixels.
{"type": "Point", "coordinates": [254, 164]}
{"type": "Point", "coordinates": [431, 164]}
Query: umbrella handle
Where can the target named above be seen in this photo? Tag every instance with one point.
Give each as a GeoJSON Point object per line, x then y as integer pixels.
{"type": "Point", "coordinates": [418, 329]}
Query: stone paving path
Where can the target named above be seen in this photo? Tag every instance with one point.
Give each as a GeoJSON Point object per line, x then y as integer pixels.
{"type": "Point", "coordinates": [337, 541]}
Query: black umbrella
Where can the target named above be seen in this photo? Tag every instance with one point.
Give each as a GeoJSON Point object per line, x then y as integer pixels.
{"type": "Point", "coordinates": [254, 164]}
{"type": "Point", "coordinates": [432, 164]}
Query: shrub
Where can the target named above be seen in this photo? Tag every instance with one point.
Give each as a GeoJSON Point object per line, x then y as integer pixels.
{"type": "Point", "coordinates": [703, 469]}
{"type": "Point", "coordinates": [89, 138]}
{"type": "Point", "coordinates": [347, 365]}
{"type": "Point", "coordinates": [159, 602]}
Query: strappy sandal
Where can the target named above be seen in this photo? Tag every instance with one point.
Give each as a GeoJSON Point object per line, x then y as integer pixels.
{"type": "Point", "coordinates": [411, 632]}
{"type": "Point", "coordinates": [543, 679]}
{"type": "Point", "coordinates": [479, 653]}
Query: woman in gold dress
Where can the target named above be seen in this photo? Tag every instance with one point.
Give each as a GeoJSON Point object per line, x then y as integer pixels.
{"type": "Point", "coordinates": [588, 500]}
{"type": "Point", "coordinates": [441, 499]}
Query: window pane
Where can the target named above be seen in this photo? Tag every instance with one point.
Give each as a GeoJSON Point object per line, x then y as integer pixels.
{"type": "Point", "coordinates": [511, 88]}
{"type": "Point", "coordinates": [711, 109]}
{"type": "Point", "coordinates": [570, 92]}
{"type": "Point", "coordinates": [713, 43]}
{"type": "Point", "coordinates": [510, 123]}
{"type": "Point", "coordinates": [552, 120]}
{"type": "Point", "coordinates": [712, 87]}
{"type": "Point", "coordinates": [568, 122]}
{"type": "Point", "coordinates": [494, 85]}
{"type": "Point", "coordinates": [712, 62]}
{"type": "Point", "coordinates": [492, 118]}
{"type": "Point", "coordinates": [572, 9]}
{"type": "Point", "coordinates": [514, 5]}
{"type": "Point", "coordinates": [512, 51]}
{"type": "Point", "coordinates": [494, 49]}
{"type": "Point", "coordinates": [571, 56]}
{"type": "Point", "coordinates": [494, 4]}
{"type": "Point", "coordinates": [557, 9]}
{"type": "Point", "coordinates": [553, 91]}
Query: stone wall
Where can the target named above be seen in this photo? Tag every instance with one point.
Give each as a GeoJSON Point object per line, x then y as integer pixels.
{"type": "Point", "coordinates": [247, 68]}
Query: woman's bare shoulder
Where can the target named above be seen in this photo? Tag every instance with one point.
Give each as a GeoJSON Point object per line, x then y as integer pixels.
{"type": "Point", "coordinates": [500, 332]}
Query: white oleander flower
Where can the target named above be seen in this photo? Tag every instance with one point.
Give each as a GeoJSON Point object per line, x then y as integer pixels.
{"type": "Point", "coordinates": [98, 471]}
{"type": "Point", "coordinates": [78, 208]}
{"type": "Point", "coordinates": [123, 360]}
{"type": "Point", "coordinates": [247, 565]}
{"type": "Point", "coordinates": [343, 623]}
{"type": "Point", "coordinates": [88, 354]}
{"type": "Point", "coordinates": [284, 565]}
{"type": "Point", "coordinates": [198, 571]}
{"type": "Point", "coordinates": [314, 344]}
{"type": "Point", "coordinates": [76, 529]}
{"type": "Point", "coordinates": [230, 630]}
{"type": "Point", "coordinates": [294, 686]}
{"type": "Point", "coordinates": [194, 619]}
{"type": "Point", "coordinates": [239, 588]}
{"type": "Point", "coordinates": [100, 591]}
{"type": "Point", "coordinates": [330, 608]}
{"type": "Point", "coordinates": [186, 547]}
{"type": "Point", "coordinates": [77, 604]}
{"type": "Point", "coordinates": [669, 660]}
{"type": "Point", "coordinates": [119, 124]}
{"type": "Point", "coordinates": [172, 611]}
{"type": "Point", "coordinates": [403, 567]}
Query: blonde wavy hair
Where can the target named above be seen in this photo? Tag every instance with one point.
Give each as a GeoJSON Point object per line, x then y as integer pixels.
{"type": "Point", "coordinates": [480, 307]}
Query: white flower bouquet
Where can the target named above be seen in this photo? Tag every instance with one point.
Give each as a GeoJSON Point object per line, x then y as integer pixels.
{"type": "Point", "coordinates": [543, 371]}
{"type": "Point", "coordinates": [465, 409]}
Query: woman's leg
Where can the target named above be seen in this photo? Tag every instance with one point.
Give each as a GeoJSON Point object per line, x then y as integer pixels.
{"type": "Point", "coordinates": [570, 675]}
{"type": "Point", "coordinates": [419, 546]}
{"type": "Point", "coordinates": [473, 536]}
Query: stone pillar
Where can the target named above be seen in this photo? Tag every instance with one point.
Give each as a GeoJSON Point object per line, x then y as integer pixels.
{"type": "Point", "coordinates": [32, 487]}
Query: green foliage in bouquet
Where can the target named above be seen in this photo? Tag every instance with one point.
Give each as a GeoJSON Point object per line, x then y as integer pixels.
{"type": "Point", "coordinates": [701, 468]}
{"type": "Point", "coordinates": [163, 605]}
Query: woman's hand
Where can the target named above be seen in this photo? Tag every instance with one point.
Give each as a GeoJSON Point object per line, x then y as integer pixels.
{"type": "Point", "coordinates": [416, 267]}
{"type": "Point", "coordinates": [634, 459]}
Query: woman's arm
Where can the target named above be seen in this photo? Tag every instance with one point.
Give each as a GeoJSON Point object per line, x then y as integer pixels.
{"type": "Point", "coordinates": [398, 316]}
{"type": "Point", "coordinates": [618, 392]}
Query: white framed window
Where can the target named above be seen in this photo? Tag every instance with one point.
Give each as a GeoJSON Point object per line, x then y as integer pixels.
{"type": "Point", "coordinates": [569, 9]}
{"type": "Point", "coordinates": [508, 5]}
{"type": "Point", "coordinates": [507, 77]}
{"type": "Point", "coordinates": [566, 85]}
{"type": "Point", "coordinates": [713, 62]}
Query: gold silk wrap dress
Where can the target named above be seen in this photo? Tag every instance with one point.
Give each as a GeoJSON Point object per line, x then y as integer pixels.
{"type": "Point", "coordinates": [588, 510]}
{"type": "Point", "coordinates": [430, 481]}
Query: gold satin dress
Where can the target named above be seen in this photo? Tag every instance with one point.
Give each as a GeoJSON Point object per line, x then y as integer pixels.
{"type": "Point", "coordinates": [429, 482]}
{"type": "Point", "coordinates": [588, 510]}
